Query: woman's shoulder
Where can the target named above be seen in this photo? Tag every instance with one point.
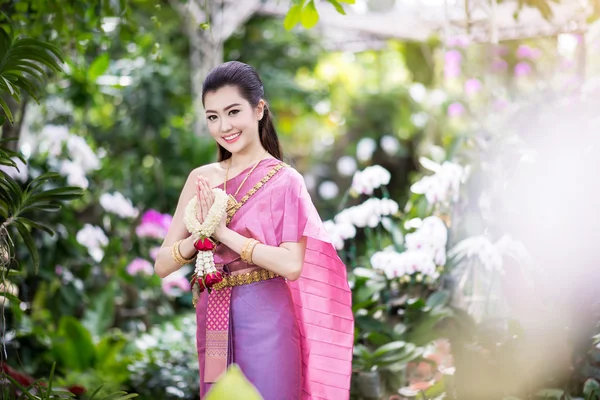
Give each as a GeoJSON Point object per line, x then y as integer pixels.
{"type": "Point", "coordinates": [213, 172]}
{"type": "Point", "coordinates": [293, 176]}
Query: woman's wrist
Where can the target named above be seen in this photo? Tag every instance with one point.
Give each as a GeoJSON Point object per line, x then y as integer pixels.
{"type": "Point", "coordinates": [186, 248]}
{"type": "Point", "coordinates": [221, 233]}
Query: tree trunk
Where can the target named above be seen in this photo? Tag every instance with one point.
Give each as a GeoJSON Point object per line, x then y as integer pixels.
{"type": "Point", "coordinates": [206, 45]}
{"type": "Point", "coordinates": [205, 54]}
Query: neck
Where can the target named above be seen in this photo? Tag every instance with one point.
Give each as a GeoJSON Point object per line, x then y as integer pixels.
{"type": "Point", "coordinates": [249, 155]}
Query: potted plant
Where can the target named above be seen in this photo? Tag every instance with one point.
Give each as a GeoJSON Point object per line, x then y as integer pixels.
{"type": "Point", "coordinates": [368, 365]}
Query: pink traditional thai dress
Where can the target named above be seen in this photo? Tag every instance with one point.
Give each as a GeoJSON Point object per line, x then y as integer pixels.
{"type": "Point", "coordinates": [292, 340]}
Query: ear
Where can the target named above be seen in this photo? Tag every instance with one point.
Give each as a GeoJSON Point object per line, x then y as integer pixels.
{"type": "Point", "coordinates": [260, 109]}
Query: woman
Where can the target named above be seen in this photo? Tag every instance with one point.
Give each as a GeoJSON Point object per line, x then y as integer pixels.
{"type": "Point", "coordinates": [282, 311]}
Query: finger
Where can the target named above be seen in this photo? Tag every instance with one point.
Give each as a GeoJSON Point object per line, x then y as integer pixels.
{"type": "Point", "coordinates": [204, 204]}
{"type": "Point", "coordinates": [207, 192]}
{"type": "Point", "coordinates": [200, 213]}
{"type": "Point", "coordinates": [198, 187]}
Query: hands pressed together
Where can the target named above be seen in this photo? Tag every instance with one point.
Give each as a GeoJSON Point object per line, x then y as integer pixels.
{"type": "Point", "coordinates": [206, 198]}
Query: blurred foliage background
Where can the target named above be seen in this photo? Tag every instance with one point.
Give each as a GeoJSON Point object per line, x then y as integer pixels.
{"type": "Point", "coordinates": [448, 296]}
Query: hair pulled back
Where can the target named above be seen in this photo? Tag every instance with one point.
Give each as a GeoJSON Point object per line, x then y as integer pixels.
{"type": "Point", "coordinates": [247, 81]}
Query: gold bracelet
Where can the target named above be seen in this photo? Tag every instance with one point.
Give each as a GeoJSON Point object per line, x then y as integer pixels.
{"type": "Point", "coordinates": [247, 249]}
{"type": "Point", "coordinates": [177, 254]}
{"type": "Point", "coordinates": [251, 247]}
{"type": "Point", "coordinates": [244, 248]}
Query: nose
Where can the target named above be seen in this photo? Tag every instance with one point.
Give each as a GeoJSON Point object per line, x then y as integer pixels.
{"type": "Point", "coordinates": [225, 125]}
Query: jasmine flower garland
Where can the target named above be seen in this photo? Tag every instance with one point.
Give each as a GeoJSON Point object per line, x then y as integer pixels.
{"type": "Point", "coordinates": [206, 273]}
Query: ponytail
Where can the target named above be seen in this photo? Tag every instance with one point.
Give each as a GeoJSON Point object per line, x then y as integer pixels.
{"type": "Point", "coordinates": [268, 134]}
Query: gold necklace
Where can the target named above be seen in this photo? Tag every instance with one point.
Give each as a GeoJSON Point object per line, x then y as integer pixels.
{"type": "Point", "coordinates": [231, 201]}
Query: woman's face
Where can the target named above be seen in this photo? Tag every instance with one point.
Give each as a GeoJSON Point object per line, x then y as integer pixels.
{"type": "Point", "coordinates": [231, 120]}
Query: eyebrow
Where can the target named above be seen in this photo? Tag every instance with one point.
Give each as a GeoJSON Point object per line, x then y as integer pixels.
{"type": "Point", "coordinates": [226, 108]}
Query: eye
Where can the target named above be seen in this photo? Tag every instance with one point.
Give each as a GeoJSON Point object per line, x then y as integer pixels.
{"type": "Point", "coordinates": [234, 112]}
{"type": "Point", "coordinates": [211, 117]}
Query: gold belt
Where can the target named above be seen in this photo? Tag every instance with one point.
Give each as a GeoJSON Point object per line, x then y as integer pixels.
{"type": "Point", "coordinates": [244, 279]}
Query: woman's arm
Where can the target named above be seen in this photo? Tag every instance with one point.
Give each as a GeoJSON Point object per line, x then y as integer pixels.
{"type": "Point", "coordinates": [165, 264]}
{"type": "Point", "coordinates": [285, 260]}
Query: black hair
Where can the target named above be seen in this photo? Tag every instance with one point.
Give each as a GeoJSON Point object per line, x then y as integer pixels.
{"type": "Point", "coordinates": [247, 81]}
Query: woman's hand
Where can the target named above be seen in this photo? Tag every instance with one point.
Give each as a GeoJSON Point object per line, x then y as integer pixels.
{"type": "Point", "coordinates": [205, 197]}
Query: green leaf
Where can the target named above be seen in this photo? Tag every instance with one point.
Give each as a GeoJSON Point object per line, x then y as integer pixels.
{"type": "Point", "coordinates": [337, 6]}
{"type": "Point", "coordinates": [100, 316]}
{"type": "Point", "coordinates": [57, 194]}
{"type": "Point", "coordinates": [50, 207]}
{"type": "Point", "coordinates": [591, 387]}
{"type": "Point", "coordinates": [438, 299]}
{"type": "Point", "coordinates": [64, 394]}
{"type": "Point", "coordinates": [11, 272]}
{"type": "Point", "coordinates": [113, 396]}
{"type": "Point", "coordinates": [129, 396]}
{"type": "Point", "coordinates": [367, 323]}
{"type": "Point", "coordinates": [40, 180]}
{"type": "Point", "coordinates": [19, 67]}
{"type": "Point", "coordinates": [409, 352]}
{"type": "Point", "coordinates": [98, 67]}
{"type": "Point", "coordinates": [8, 85]}
{"type": "Point", "coordinates": [434, 391]}
{"type": "Point", "coordinates": [11, 185]}
{"type": "Point", "coordinates": [50, 380]}
{"type": "Point", "coordinates": [550, 393]}
{"type": "Point", "coordinates": [389, 347]}
{"type": "Point", "coordinates": [21, 387]}
{"type": "Point", "coordinates": [73, 346]}
{"type": "Point", "coordinates": [10, 297]}
{"type": "Point", "coordinates": [309, 15]}
{"type": "Point", "coordinates": [397, 236]}
{"type": "Point", "coordinates": [292, 17]}
{"type": "Point", "coordinates": [348, 1]}
{"type": "Point", "coordinates": [362, 351]}
{"type": "Point", "coordinates": [29, 243]}
{"type": "Point", "coordinates": [96, 392]}
{"type": "Point", "coordinates": [9, 153]}
{"type": "Point", "coordinates": [6, 111]}
{"type": "Point", "coordinates": [36, 225]}
{"type": "Point", "coordinates": [377, 339]}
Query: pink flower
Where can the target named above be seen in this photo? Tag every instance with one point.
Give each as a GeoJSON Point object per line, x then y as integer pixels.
{"type": "Point", "coordinates": [154, 252]}
{"type": "Point", "coordinates": [567, 64]}
{"type": "Point", "coordinates": [452, 61]}
{"type": "Point", "coordinates": [154, 225]}
{"type": "Point", "coordinates": [172, 287]}
{"type": "Point", "coordinates": [140, 265]}
{"type": "Point", "coordinates": [499, 65]}
{"type": "Point", "coordinates": [500, 104]}
{"type": "Point", "coordinates": [459, 41]}
{"type": "Point", "coordinates": [522, 69]}
{"type": "Point", "coordinates": [527, 52]}
{"type": "Point", "coordinates": [455, 110]}
{"type": "Point", "coordinates": [154, 217]}
{"type": "Point", "coordinates": [500, 50]}
{"type": "Point", "coordinates": [472, 86]}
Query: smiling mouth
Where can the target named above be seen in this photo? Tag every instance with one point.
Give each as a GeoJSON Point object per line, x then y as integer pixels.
{"type": "Point", "coordinates": [232, 137]}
